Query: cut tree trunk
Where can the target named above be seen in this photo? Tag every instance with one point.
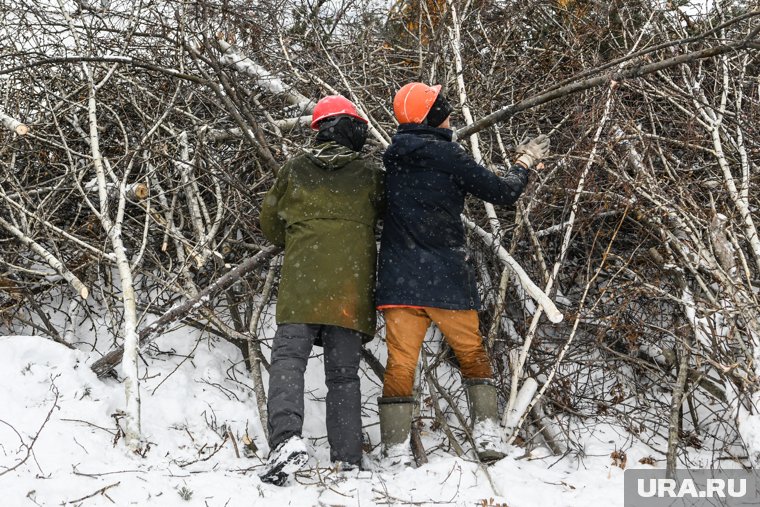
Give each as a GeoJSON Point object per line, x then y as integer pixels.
{"type": "Point", "coordinates": [13, 125]}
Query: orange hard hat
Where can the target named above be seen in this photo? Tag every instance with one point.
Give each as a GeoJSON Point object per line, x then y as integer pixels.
{"type": "Point", "coordinates": [413, 101]}
{"type": "Point", "coordinates": [333, 105]}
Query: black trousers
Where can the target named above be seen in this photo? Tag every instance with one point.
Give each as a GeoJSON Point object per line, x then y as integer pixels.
{"type": "Point", "coordinates": [290, 352]}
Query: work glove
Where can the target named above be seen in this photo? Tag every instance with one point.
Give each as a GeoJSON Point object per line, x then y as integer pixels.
{"type": "Point", "coordinates": [533, 151]}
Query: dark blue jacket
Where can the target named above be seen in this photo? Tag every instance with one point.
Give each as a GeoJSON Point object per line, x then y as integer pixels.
{"type": "Point", "coordinates": [423, 261]}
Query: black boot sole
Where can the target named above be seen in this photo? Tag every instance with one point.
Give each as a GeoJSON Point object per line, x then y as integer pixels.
{"type": "Point", "coordinates": [280, 472]}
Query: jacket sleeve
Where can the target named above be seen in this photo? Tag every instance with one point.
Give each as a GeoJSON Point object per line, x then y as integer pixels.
{"type": "Point", "coordinates": [272, 225]}
{"type": "Point", "coordinates": [484, 184]}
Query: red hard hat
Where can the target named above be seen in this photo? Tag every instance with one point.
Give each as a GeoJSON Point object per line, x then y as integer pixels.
{"type": "Point", "coordinates": [333, 105]}
{"type": "Point", "coordinates": [413, 101]}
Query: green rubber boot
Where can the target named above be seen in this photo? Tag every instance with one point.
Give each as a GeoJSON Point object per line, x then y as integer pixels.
{"type": "Point", "coordinates": [395, 428]}
{"type": "Point", "coordinates": [484, 412]}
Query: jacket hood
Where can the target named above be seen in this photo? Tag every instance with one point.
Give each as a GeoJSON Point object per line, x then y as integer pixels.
{"type": "Point", "coordinates": [410, 137]}
{"type": "Point", "coordinates": [331, 155]}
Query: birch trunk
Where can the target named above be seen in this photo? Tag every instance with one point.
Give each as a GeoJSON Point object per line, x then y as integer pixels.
{"type": "Point", "coordinates": [254, 348]}
{"type": "Point", "coordinates": [132, 431]}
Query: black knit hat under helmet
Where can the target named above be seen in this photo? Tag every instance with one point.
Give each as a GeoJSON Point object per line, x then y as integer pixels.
{"type": "Point", "coordinates": [438, 113]}
{"type": "Point", "coordinates": [344, 130]}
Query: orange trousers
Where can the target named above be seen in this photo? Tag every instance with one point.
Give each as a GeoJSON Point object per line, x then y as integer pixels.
{"type": "Point", "coordinates": [405, 329]}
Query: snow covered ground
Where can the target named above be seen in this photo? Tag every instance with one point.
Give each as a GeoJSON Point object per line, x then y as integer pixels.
{"type": "Point", "coordinates": [201, 393]}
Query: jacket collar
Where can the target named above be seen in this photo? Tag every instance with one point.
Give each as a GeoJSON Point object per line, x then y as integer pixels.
{"type": "Point", "coordinates": [331, 155]}
{"type": "Point", "coordinates": [425, 131]}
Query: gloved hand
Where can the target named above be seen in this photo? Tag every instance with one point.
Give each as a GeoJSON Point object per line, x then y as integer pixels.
{"type": "Point", "coordinates": [533, 151]}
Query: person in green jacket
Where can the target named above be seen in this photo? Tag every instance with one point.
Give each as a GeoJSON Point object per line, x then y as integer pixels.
{"type": "Point", "coordinates": [322, 209]}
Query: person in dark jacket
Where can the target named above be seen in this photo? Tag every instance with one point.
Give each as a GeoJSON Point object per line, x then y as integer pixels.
{"type": "Point", "coordinates": [425, 274]}
{"type": "Point", "coordinates": [322, 209]}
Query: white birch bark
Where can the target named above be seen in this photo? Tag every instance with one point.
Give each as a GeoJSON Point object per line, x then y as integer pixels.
{"type": "Point", "coordinates": [254, 350]}
{"type": "Point", "coordinates": [57, 230]}
{"type": "Point", "coordinates": [537, 398]}
{"type": "Point", "coordinates": [551, 431]}
{"type": "Point", "coordinates": [531, 288]}
{"type": "Point", "coordinates": [221, 135]}
{"type": "Point", "coordinates": [563, 250]}
{"type": "Point", "coordinates": [710, 259]}
{"type": "Point", "coordinates": [72, 324]}
{"type": "Point", "coordinates": [48, 257]}
{"type": "Point", "coordinates": [132, 431]}
{"type": "Point", "coordinates": [194, 203]}
{"type": "Point", "coordinates": [13, 124]}
{"type": "Point", "coordinates": [521, 278]}
{"type": "Point", "coordinates": [264, 78]}
{"type": "Point", "coordinates": [455, 39]}
{"type": "Point", "coordinates": [713, 119]}
{"type": "Point", "coordinates": [512, 416]}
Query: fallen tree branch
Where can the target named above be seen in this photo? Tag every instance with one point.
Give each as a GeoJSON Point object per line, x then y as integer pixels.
{"type": "Point", "coordinates": [675, 412]}
{"type": "Point", "coordinates": [531, 288]}
{"type": "Point", "coordinates": [264, 78]}
{"type": "Point", "coordinates": [234, 134]}
{"type": "Point", "coordinates": [374, 363]}
{"type": "Point", "coordinates": [101, 491]}
{"type": "Point", "coordinates": [550, 430]}
{"type": "Point", "coordinates": [562, 352]}
{"type": "Point", "coordinates": [13, 124]}
{"type": "Point", "coordinates": [50, 259]}
{"type": "Point", "coordinates": [439, 415]}
{"type": "Point", "coordinates": [105, 364]}
{"type": "Point", "coordinates": [658, 47]}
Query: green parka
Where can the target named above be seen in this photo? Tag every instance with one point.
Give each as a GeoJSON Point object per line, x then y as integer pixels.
{"type": "Point", "coordinates": [323, 209]}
